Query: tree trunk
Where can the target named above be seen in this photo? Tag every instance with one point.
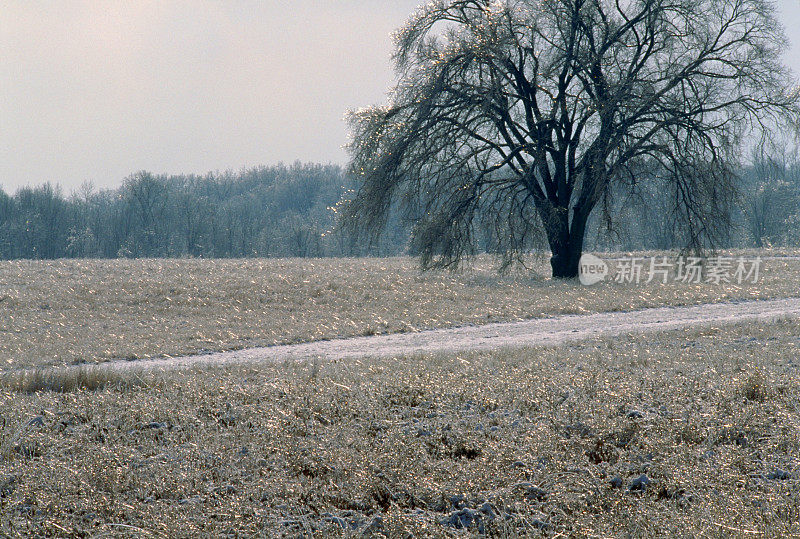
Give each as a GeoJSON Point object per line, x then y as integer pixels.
{"type": "Point", "coordinates": [565, 264]}
{"type": "Point", "coordinates": [566, 243]}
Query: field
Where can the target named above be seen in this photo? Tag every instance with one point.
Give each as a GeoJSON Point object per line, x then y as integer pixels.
{"type": "Point", "coordinates": [680, 433]}
{"type": "Point", "coordinates": [72, 312]}
{"type": "Point", "coordinates": [541, 441]}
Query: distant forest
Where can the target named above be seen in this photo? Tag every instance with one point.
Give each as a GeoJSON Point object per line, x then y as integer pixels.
{"type": "Point", "coordinates": [290, 211]}
{"type": "Point", "coordinates": [274, 211]}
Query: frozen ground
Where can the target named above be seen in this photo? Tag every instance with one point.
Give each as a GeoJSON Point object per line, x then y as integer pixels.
{"type": "Point", "coordinates": [543, 331]}
{"type": "Point", "coordinates": [72, 312]}
{"type": "Point", "coordinates": [684, 433]}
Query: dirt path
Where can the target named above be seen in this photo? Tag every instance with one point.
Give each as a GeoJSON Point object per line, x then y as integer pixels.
{"type": "Point", "coordinates": [542, 331]}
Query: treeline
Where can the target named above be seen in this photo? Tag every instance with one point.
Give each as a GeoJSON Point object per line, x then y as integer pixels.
{"type": "Point", "coordinates": [274, 211]}
{"type": "Point", "coordinates": [764, 213]}
{"type": "Point", "coordinates": [290, 211]}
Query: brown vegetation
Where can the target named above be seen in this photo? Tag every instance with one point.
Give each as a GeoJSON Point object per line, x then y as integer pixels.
{"type": "Point", "coordinates": [674, 434]}
{"type": "Point", "coordinates": [82, 311]}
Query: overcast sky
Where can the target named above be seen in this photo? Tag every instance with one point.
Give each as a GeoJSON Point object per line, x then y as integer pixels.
{"type": "Point", "coordinates": [96, 90]}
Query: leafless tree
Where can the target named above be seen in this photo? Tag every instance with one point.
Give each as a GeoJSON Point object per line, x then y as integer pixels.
{"type": "Point", "coordinates": [771, 200]}
{"type": "Point", "coordinates": [521, 114]}
{"type": "Point", "coordinates": [147, 197]}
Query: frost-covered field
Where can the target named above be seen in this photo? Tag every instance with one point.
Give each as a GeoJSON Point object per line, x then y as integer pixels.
{"type": "Point", "coordinates": [681, 433]}
{"type": "Point", "coordinates": [685, 433]}
{"type": "Point", "coordinates": [66, 312]}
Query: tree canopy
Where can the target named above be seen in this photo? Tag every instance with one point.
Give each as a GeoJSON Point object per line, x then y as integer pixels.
{"type": "Point", "coordinates": [528, 114]}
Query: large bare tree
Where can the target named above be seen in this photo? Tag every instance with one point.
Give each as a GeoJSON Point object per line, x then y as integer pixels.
{"type": "Point", "coordinates": [524, 113]}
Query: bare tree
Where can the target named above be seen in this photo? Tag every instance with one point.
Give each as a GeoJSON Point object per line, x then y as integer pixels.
{"type": "Point", "coordinates": [523, 113]}
{"type": "Point", "coordinates": [772, 195]}
{"type": "Point", "coordinates": [147, 198]}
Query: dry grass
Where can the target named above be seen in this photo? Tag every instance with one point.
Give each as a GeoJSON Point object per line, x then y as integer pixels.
{"type": "Point", "coordinates": [507, 443]}
{"type": "Point", "coordinates": [72, 312]}
{"type": "Point", "coordinates": [69, 379]}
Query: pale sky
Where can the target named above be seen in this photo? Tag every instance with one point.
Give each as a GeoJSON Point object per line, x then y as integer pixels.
{"type": "Point", "coordinates": [97, 90]}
